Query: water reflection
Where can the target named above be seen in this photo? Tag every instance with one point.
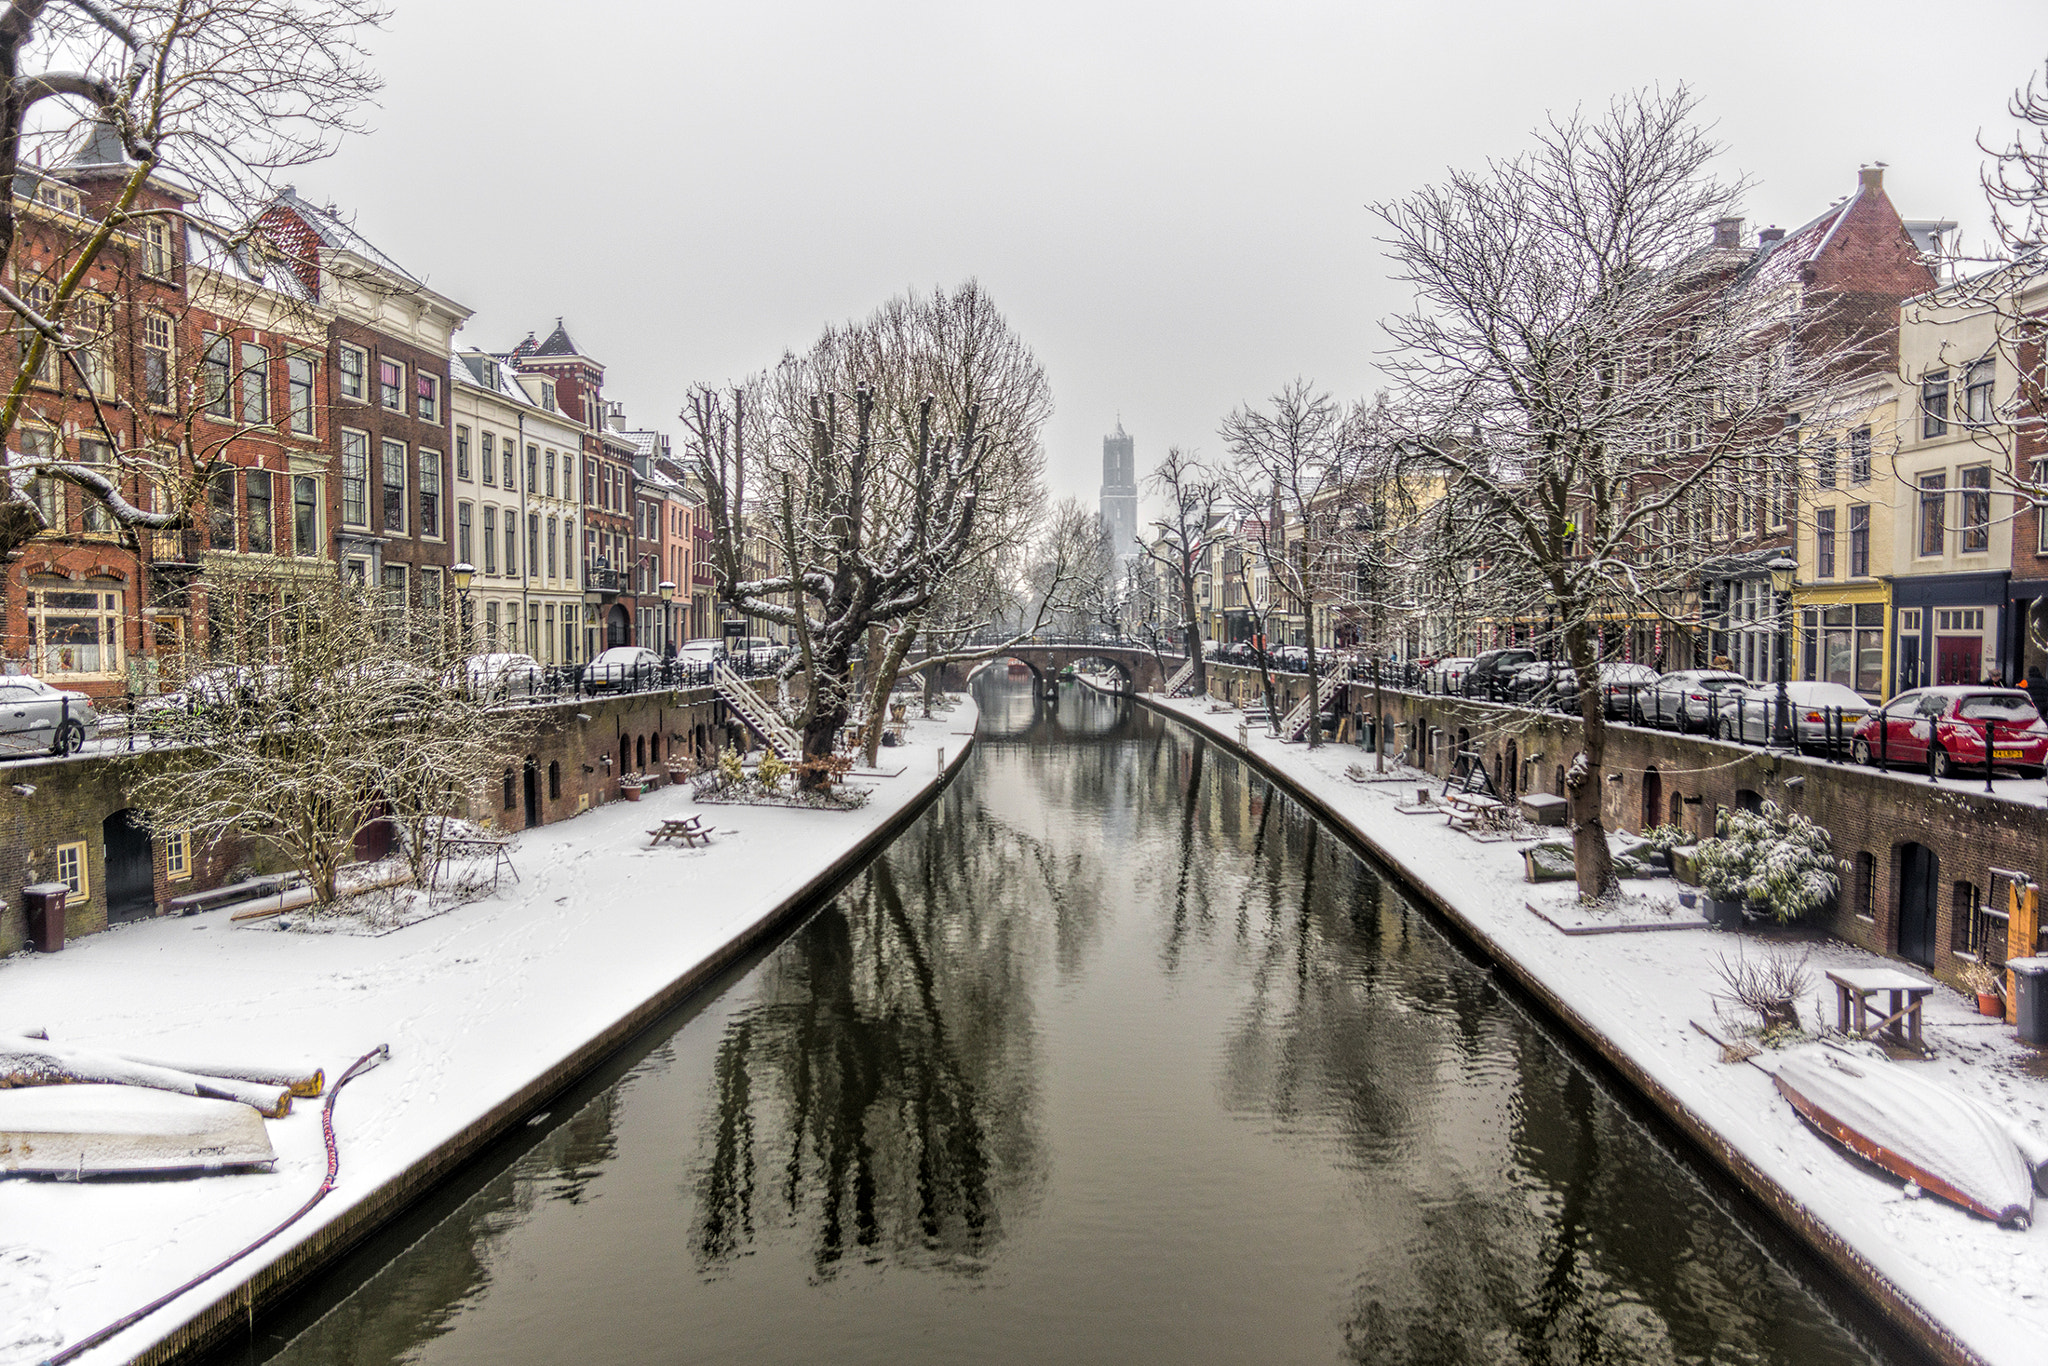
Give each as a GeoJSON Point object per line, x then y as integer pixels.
{"type": "Point", "coordinates": [1116, 1053]}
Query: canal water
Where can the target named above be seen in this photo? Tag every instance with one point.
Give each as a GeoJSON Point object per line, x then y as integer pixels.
{"type": "Point", "coordinates": [1115, 1056]}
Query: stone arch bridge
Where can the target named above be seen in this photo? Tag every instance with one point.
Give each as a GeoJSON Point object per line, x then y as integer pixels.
{"type": "Point", "coordinates": [1137, 668]}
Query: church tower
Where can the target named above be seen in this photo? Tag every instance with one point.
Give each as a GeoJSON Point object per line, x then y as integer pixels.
{"type": "Point", "coordinates": [1119, 506]}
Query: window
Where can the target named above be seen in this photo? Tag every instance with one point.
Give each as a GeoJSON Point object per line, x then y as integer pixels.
{"type": "Point", "coordinates": [1933, 498]}
{"type": "Point", "coordinates": [430, 591]}
{"type": "Point", "coordinates": [2040, 522]}
{"type": "Point", "coordinates": [299, 398]}
{"type": "Point", "coordinates": [462, 453]}
{"type": "Point", "coordinates": [464, 546]}
{"type": "Point", "coordinates": [533, 627]}
{"type": "Point", "coordinates": [430, 494]}
{"type": "Point", "coordinates": [96, 453]}
{"type": "Point", "coordinates": [156, 247]}
{"type": "Point", "coordinates": [1824, 463]}
{"type": "Point", "coordinates": [178, 856]}
{"type": "Point", "coordinates": [551, 474]}
{"type": "Point", "coordinates": [1934, 404]}
{"type": "Point", "coordinates": [305, 515]}
{"type": "Point", "coordinates": [255, 385]}
{"type": "Point", "coordinates": [393, 585]}
{"type": "Point", "coordinates": [262, 523]}
{"type": "Point", "coordinates": [41, 297]}
{"type": "Point", "coordinates": [511, 464]}
{"type": "Point", "coordinates": [355, 479]}
{"type": "Point", "coordinates": [1824, 543]}
{"type": "Point", "coordinates": [547, 395]}
{"type": "Point", "coordinates": [1976, 509]}
{"type": "Point", "coordinates": [553, 561]}
{"type": "Point", "coordinates": [74, 629]}
{"type": "Point", "coordinates": [394, 486]}
{"type": "Point", "coordinates": [1977, 391]}
{"type": "Point", "coordinates": [429, 388]}
{"type": "Point", "coordinates": [1859, 456]}
{"type": "Point", "coordinates": [91, 325]}
{"type": "Point", "coordinates": [355, 369]}
{"type": "Point", "coordinates": [589, 483]}
{"type": "Point", "coordinates": [532, 544]}
{"type": "Point", "coordinates": [511, 543]}
{"type": "Point", "coordinates": [533, 469]}
{"type": "Point", "coordinates": [216, 376]}
{"type": "Point", "coordinates": [1859, 540]}
{"type": "Point", "coordinates": [391, 384]}
{"type": "Point", "coordinates": [71, 870]}
{"type": "Point", "coordinates": [547, 640]}
{"type": "Point", "coordinates": [38, 448]}
{"type": "Point", "coordinates": [490, 614]}
{"type": "Point", "coordinates": [220, 509]}
{"type": "Point", "coordinates": [156, 359]}
{"type": "Point", "coordinates": [490, 460]}
{"type": "Point", "coordinates": [490, 539]}
{"type": "Point", "coordinates": [554, 768]}
{"type": "Point", "coordinates": [1959, 619]}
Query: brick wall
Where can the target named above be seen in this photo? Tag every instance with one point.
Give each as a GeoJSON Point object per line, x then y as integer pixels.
{"type": "Point", "coordinates": [1870, 815]}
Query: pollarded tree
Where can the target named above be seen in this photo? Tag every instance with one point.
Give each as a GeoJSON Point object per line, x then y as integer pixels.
{"type": "Point", "coordinates": [218, 95]}
{"type": "Point", "coordinates": [1586, 374]}
{"type": "Point", "coordinates": [322, 708]}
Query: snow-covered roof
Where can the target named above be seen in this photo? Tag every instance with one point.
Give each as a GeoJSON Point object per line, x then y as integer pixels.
{"type": "Point", "coordinates": [211, 248]}
{"type": "Point", "coordinates": [335, 233]}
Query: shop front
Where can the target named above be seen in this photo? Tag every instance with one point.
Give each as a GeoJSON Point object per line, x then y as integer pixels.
{"type": "Point", "coordinates": [1842, 636]}
{"type": "Point", "coordinates": [1949, 628]}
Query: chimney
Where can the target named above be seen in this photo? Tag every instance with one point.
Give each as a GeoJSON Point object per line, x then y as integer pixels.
{"type": "Point", "coordinates": [1872, 178]}
{"type": "Point", "coordinates": [1771, 236]}
{"type": "Point", "coordinates": [1728, 232]}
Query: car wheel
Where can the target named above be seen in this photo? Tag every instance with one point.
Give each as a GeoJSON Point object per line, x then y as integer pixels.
{"type": "Point", "coordinates": [69, 739]}
{"type": "Point", "coordinates": [1937, 762]}
{"type": "Point", "coordinates": [1728, 732]}
{"type": "Point", "coordinates": [1859, 750]}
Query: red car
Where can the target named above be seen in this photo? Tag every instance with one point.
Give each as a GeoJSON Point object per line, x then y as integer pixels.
{"type": "Point", "coordinates": [1943, 728]}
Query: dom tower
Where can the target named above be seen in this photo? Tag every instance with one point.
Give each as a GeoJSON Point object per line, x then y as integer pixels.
{"type": "Point", "coordinates": [1119, 506]}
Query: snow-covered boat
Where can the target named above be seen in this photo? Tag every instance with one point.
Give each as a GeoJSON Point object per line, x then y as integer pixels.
{"type": "Point", "coordinates": [1948, 1144]}
{"type": "Point", "coordinates": [98, 1130]}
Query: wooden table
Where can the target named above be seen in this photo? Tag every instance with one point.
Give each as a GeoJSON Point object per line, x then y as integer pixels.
{"type": "Point", "coordinates": [1855, 986]}
{"type": "Point", "coordinates": [689, 829]}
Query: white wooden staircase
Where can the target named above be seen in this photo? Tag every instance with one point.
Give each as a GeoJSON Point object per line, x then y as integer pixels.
{"type": "Point", "coordinates": [751, 708]}
{"type": "Point", "coordinates": [1180, 678]}
{"type": "Point", "coordinates": [1308, 709]}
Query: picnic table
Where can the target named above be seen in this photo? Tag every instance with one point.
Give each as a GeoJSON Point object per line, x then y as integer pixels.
{"type": "Point", "coordinates": [1853, 1008]}
{"type": "Point", "coordinates": [688, 829]}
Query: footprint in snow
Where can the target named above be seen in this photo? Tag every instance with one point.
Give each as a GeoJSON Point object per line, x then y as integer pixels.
{"type": "Point", "coordinates": [28, 1320]}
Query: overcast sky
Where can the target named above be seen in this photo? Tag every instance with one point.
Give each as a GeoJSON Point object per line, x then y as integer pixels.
{"type": "Point", "coordinates": [1168, 200]}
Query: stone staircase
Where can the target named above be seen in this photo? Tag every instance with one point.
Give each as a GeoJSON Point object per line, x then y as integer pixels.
{"type": "Point", "coordinates": [753, 709]}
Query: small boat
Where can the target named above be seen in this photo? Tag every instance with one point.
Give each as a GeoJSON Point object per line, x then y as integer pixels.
{"type": "Point", "coordinates": [92, 1129]}
{"type": "Point", "coordinates": [1948, 1144]}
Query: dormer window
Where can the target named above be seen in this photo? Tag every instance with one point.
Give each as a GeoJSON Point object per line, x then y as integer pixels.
{"type": "Point", "coordinates": [547, 395]}
{"type": "Point", "coordinates": [58, 196]}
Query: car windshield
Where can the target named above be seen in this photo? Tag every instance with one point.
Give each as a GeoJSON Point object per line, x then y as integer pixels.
{"type": "Point", "coordinates": [1997, 707]}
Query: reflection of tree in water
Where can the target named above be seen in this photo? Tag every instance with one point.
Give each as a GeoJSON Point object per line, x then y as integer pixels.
{"type": "Point", "coordinates": [420, 1295]}
{"type": "Point", "coordinates": [878, 1094]}
{"type": "Point", "coordinates": [1559, 1232]}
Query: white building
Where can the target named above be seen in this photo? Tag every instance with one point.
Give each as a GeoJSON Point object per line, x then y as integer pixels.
{"type": "Point", "coordinates": [516, 501]}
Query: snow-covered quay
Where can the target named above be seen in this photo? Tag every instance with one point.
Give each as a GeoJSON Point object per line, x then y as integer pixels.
{"type": "Point", "coordinates": [488, 1010]}
{"type": "Point", "coordinates": [1965, 1288]}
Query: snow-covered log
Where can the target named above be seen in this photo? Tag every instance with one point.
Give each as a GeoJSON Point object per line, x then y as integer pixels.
{"type": "Point", "coordinates": [25, 1062]}
{"type": "Point", "coordinates": [300, 1078]}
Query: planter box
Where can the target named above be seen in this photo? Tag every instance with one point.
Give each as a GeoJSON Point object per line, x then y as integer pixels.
{"type": "Point", "coordinates": [1726, 915]}
{"type": "Point", "coordinates": [1683, 868]}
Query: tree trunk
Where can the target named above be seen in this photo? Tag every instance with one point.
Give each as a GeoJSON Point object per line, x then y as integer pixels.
{"type": "Point", "coordinates": [1315, 703]}
{"type": "Point", "coordinates": [1379, 719]}
{"type": "Point", "coordinates": [884, 684]}
{"type": "Point", "coordinates": [1194, 634]}
{"type": "Point", "coordinates": [830, 688]}
{"type": "Point", "coordinates": [1586, 778]}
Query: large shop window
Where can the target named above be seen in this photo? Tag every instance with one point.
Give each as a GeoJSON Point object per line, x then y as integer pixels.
{"type": "Point", "coordinates": [1844, 645]}
{"type": "Point", "coordinates": [75, 629]}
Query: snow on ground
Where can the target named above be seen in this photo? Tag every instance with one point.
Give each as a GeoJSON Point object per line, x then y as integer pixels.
{"type": "Point", "coordinates": [474, 1004]}
{"type": "Point", "coordinates": [1642, 991]}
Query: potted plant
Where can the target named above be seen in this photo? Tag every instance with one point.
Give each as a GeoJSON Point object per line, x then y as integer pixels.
{"type": "Point", "coordinates": [1983, 979]}
{"type": "Point", "coordinates": [630, 784]}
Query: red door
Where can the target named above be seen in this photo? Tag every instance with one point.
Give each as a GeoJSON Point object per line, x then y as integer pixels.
{"type": "Point", "coordinates": [1958, 659]}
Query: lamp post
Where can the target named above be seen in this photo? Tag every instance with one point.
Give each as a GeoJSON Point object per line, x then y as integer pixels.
{"type": "Point", "coordinates": [668, 596]}
{"type": "Point", "coordinates": [462, 573]}
{"type": "Point", "coordinates": [1783, 570]}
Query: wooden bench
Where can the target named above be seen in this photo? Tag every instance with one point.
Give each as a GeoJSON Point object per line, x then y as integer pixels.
{"type": "Point", "coordinates": [689, 829]}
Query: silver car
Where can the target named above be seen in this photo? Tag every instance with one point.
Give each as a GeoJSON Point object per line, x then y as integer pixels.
{"type": "Point", "coordinates": [37, 718]}
{"type": "Point", "coordinates": [1813, 706]}
{"type": "Point", "coordinates": [1685, 698]}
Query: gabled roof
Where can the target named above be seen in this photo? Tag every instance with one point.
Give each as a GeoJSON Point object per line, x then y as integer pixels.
{"type": "Point", "coordinates": [102, 153]}
{"type": "Point", "coordinates": [557, 344]}
{"type": "Point", "coordinates": [1780, 263]}
{"type": "Point", "coordinates": [327, 225]}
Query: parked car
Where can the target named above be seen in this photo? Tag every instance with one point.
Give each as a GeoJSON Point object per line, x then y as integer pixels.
{"type": "Point", "coordinates": [1493, 668]}
{"type": "Point", "coordinates": [35, 717]}
{"type": "Point", "coordinates": [499, 677]}
{"type": "Point", "coordinates": [1684, 698]}
{"type": "Point", "coordinates": [1812, 704]}
{"type": "Point", "coordinates": [1539, 683]}
{"type": "Point", "coordinates": [621, 669]}
{"type": "Point", "coordinates": [1619, 684]}
{"type": "Point", "coordinates": [702, 653]}
{"type": "Point", "coordinates": [1943, 728]}
{"type": "Point", "coordinates": [1450, 673]}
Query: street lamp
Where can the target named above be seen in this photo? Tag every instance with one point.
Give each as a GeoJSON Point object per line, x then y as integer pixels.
{"type": "Point", "coordinates": [462, 573]}
{"type": "Point", "coordinates": [668, 595]}
{"type": "Point", "coordinates": [1783, 570]}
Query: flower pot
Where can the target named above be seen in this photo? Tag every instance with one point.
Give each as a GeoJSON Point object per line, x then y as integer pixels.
{"type": "Point", "coordinates": [1689, 899]}
{"type": "Point", "coordinates": [632, 791]}
{"type": "Point", "coordinates": [1990, 1003]}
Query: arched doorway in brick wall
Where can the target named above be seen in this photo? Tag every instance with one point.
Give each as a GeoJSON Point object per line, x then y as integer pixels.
{"type": "Point", "coordinates": [1653, 797]}
{"type": "Point", "coordinates": [130, 867]}
{"type": "Point", "coordinates": [1919, 900]}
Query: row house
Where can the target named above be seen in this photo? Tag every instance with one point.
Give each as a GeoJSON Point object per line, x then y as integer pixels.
{"type": "Point", "coordinates": [573, 384]}
{"type": "Point", "coordinates": [517, 511]}
{"type": "Point", "coordinates": [680, 542]}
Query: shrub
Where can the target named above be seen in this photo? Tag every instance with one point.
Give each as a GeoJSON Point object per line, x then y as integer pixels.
{"type": "Point", "coordinates": [770, 771]}
{"type": "Point", "coordinates": [730, 772]}
{"type": "Point", "coordinates": [1773, 862]}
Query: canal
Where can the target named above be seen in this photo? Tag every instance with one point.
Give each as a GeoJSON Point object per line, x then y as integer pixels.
{"type": "Point", "coordinates": [1117, 1055]}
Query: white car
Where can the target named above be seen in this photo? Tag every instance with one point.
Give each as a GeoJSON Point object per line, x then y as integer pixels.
{"type": "Point", "coordinates": [1814, 707]}
{"type": "Point", "coordinates": [500, 677]}
{"type": "Point", "coordinates": [698, 654]}
{"type": "Point", "coordinates": [35, 717]}
{"type": "Point", "coordinates": [623, 668]}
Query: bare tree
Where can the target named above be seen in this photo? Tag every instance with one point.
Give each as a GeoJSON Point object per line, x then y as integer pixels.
{"type": "Point", "coordinates": [1589, 377]}
{"type": "Point", "coordinates": [222, 95]}
{"type": "Point", "coordinates": [1191, 492]}
{"type": "Point", "coordinates": [324, 708]}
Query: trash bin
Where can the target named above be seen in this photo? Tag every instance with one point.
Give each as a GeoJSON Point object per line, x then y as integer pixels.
{"type": "Point", "coordinates": [2030, 997]}
{"type": "Point", "coordinates": [44, 905]}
